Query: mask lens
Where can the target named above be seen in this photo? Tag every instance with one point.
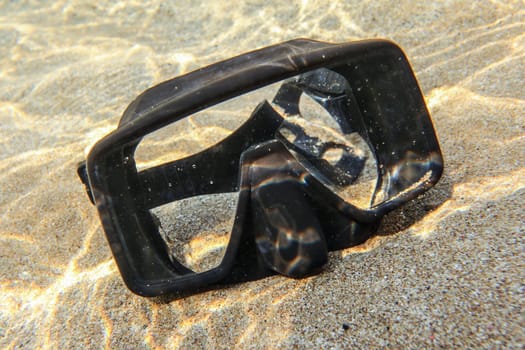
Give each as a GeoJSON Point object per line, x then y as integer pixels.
{"type": "Point", "coordinates": [197, 229]}
{"type": "Point", "coordinates": [326, 132]}
{"type": "Point", "coordinates": [194, 210]}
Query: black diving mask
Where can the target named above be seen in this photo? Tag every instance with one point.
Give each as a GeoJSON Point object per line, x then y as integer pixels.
{"type": "Point", "coordinates": [333, 136]}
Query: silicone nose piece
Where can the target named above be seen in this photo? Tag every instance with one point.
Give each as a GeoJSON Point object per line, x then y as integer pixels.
{"type": "Point", "coordinates": [287, 232]}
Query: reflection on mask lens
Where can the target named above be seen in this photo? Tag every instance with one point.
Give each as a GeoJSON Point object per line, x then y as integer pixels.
{"type": "Point", "coordinates": [326, 133]}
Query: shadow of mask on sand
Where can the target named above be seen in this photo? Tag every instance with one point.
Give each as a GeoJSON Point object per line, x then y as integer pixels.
{"type": "Point", "coordinates": [302, 148]}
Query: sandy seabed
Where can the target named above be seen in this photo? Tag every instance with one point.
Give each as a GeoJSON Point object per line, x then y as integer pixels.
{"type": "Point", "coordinates": [445, 271]}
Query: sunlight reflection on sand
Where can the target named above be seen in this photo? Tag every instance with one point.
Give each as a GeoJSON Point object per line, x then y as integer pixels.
{"type": "Point", "coordinates": [69, 68]}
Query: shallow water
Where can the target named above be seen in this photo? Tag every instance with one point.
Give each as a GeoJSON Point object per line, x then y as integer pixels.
{"type": "Point", "coordinates": [446, 270]}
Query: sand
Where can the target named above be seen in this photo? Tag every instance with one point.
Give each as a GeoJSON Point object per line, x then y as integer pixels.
{"type": "Point", "coordinates": [446, 271]}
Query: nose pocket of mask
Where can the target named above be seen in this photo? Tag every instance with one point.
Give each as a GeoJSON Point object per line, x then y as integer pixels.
{"type": "Point", "coordinates": [288, 234]}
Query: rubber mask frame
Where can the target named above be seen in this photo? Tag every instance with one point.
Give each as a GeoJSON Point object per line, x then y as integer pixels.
{"type": "Point", "coordinates": [387, 109]}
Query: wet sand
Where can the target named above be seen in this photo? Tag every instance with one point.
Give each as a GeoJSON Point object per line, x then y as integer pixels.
{"type": "Point", "coordinates": [447, 270]}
